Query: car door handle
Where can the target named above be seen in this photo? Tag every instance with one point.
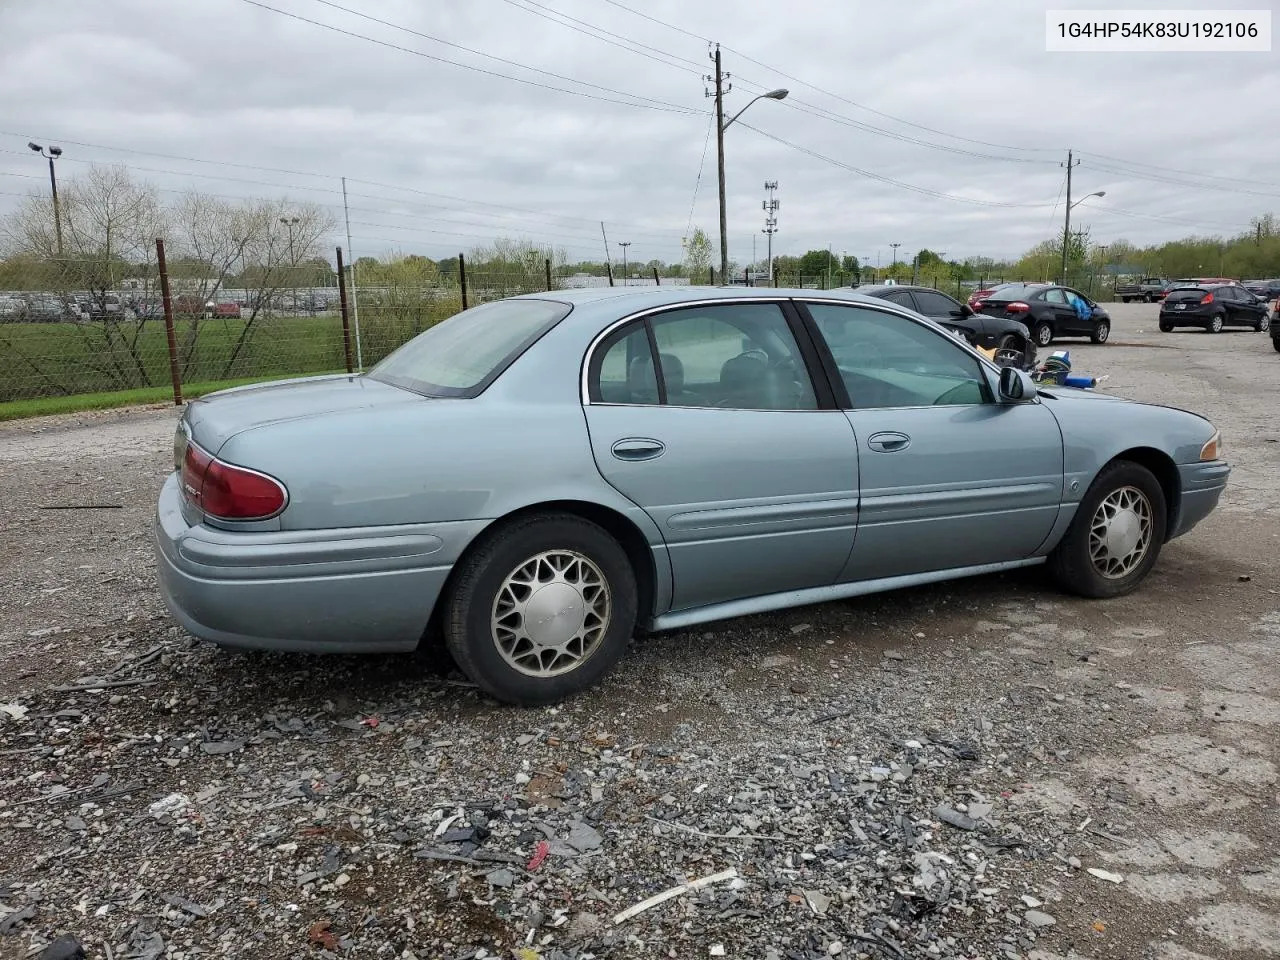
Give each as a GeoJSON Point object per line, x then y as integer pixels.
{"type": "Point", "coordinates": [638, 448]}
{"type": "Point", "coordinates": [888, 442]}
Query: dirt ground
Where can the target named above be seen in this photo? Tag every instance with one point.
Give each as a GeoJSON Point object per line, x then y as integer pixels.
{"type": "Point", "coordinates": [1138, 737]}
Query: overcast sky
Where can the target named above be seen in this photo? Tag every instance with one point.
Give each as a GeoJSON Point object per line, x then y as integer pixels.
{"type": "Point", "coordinates": [460, 156]}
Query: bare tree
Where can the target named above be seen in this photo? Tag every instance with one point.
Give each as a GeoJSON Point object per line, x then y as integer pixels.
{"type": "Point", "coordinates": [271, 255]}
{"type": "Point", "coordinates": [109, 225]}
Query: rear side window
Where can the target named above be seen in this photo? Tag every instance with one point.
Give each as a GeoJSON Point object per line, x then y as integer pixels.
{"type": "Point", "coordinates": [461, 356]}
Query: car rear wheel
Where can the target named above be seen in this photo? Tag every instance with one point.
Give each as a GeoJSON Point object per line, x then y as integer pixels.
{"type": "Point", "coordinates": [541, 609]}
{"type": "Point", "coordinates": [1116, 535]}
{"type": "Point", "coordinates": [1264, 324]}
{"type": "Point", "coordinates": [1215, 325]}
{"type": "Point", "coordinates": [1101, 330]}
{"type": "Point", "coordinates": [1010, 351]}
{"type": "Point", "coordinates": [1275, 342]}
{"type": "Point", "coordinates": [1166, 327]}
{"type": "Point", "coordinates": [1043, 334]}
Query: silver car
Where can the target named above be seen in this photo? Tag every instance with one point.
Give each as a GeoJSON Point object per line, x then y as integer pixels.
{"type": "Point", "coordinates": [533, 480]}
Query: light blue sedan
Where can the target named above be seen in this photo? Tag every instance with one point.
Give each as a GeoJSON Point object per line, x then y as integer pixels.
{"type": "Point", "coordinates": [533, 480]}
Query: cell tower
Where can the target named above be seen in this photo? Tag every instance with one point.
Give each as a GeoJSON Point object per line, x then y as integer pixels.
{"type": "Point", "coordinates": [770, 206]}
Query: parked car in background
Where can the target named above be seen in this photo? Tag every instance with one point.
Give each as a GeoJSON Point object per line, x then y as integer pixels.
{"type": "Point", "coordinates": [1148, 290]}
{"type": "Point", "coordinates": [1213, 306]}
{"type": "Point", "coordinates": [1268, 290]}
{"type": "Point", "coordinates": [12, 309]}
{"type": "Point", "coordinates": [1010, 339]}
{"type": "Point", "coordinates": [580, 471]}
{"type": "Point", "coordinates": [984, 291]}
{"type": "Point", "coordinates": [1050, 312]}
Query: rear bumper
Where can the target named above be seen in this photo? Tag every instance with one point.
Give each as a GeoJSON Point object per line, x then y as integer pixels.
{"type": "Point", "coordinates": [366, 590]}
{"type": "Point", "coordinates": [1186, 318]}
{"type": "Point", "coordinates": [1202, 485]}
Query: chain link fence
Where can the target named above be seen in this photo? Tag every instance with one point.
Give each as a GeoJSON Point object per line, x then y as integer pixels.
{"type": "Point", "coordinates": [68, 330]}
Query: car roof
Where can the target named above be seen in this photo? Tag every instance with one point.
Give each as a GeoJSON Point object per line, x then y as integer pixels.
{"type": "Point", "coordinates": [872, 290]}
{"type": "Point", "coordinates": [628, 299]}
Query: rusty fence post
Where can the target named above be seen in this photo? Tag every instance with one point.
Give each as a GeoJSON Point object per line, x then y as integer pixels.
{"type": "Point", "coordinates": [549, 286]}
{"type": "Point", "coordinates": [462, 278]}
{"type": "Point", "coordinates": [172, 337]}
{"type": "Point", "coordinates": [346, 319]}
{"type": "Point", "coordinates": [657, 280]}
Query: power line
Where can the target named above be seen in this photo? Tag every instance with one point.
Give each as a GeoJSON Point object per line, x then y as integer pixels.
{"type": "Point", "coordinates": [581, 26]}
{"type": "Point", "coordinates": [711, 125]}
{"type": "Point", "coordinates": [834, 96]}
{"type": "Point", "coordinates": [388, 186]}
{"type": "Point", "coordinates": [670, 108]}
{"type": "Point", "coordinates": [883, 179]}
{"type": "Point", "coordinates": [488, 56]}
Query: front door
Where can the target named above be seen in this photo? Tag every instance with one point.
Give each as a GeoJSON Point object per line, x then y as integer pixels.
{"type": "Point", "coordinates": [724, 443]}
{"type": "Point", "coordinates": [948, 476]}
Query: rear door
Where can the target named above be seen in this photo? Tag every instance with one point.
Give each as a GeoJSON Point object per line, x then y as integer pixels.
{"type": "Point", "coordinates": [949, 478]}
{"type": "Point", "coordinates": [709, 419]}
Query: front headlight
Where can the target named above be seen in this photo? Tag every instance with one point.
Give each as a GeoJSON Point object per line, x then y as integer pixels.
{"type": "Point", "coordinates": [1212, 450]}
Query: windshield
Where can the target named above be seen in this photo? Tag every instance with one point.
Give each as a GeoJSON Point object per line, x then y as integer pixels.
{"type": "Point", "coordinates": [461, 356]}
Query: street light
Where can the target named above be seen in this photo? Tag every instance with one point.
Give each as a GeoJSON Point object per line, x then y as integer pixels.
{"type": "Point", "coordinates": [53, 154]}
{"type": "Point", "coordinates": [290, 223]}
{"type": "Point", "coordinates": [1066, 229]}
{"type": "Point", "coordinates": [624, 244]}
{"type": "Point", "coordinates": [721, 127]}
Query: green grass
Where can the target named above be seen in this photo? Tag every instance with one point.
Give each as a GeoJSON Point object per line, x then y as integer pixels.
{"type": "Point", "coordinates": [77, 403]}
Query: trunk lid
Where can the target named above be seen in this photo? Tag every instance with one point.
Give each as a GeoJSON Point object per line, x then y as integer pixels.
{"type": "Point", "coordinates": [216, 417]}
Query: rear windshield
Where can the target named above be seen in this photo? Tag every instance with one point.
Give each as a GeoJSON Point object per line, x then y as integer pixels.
{"type": "Point", "coordinates": [1186, 290]}
{"type": "Point", "coordinates": [461, 356]}
{"type": "Point", "coordinates": [1012, 291]}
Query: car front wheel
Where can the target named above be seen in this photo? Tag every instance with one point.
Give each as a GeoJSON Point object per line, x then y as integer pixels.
{"type": "Point", "coordinates": [1010, 351]}
{"type": "Point", "coordinates": [1043, 334]}
{"type": "Point", "coordinates": [1101, 330]}
{"type": "Point", "coordinates": [541, 609]}
{"type": "Point", "coordinates": [1264, 324]}
{"type": "Point", "coordinates": [1116, 535]}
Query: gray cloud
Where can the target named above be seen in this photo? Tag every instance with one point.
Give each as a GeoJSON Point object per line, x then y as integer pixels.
{"type": "Point", "coordinates": [226, 81]}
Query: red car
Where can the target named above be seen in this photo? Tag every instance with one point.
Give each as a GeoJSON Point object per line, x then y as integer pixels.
{"type": "Point", "coordinates": [978, 297]}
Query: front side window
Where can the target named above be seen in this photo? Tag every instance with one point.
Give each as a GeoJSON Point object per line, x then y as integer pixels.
{"type": "Point", "coordinates": [729, 356]}
{"type": "Point", "coordinates": [1055, 296]}
{"type": "Point", "coordinates": [461, 356]}
{"type": "Point", "coordinates": [891, 361]}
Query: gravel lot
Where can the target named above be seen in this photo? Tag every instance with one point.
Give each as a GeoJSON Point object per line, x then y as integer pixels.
{"type": "Point", "coordinates": [980, 769]}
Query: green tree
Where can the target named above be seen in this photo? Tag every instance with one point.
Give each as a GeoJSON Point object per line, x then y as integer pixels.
{"type": "Point", "coordinates": [817, 262]}
{"type": "Point", "coordinates": [697, 254]}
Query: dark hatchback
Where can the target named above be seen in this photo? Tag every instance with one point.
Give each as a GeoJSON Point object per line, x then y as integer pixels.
{"type": "Point", "coordinates": [1213, 306]}
{"type": "Point", "coordinates": [1050, 312]}
{"type": "Point", "coordinates": [1010, 339]}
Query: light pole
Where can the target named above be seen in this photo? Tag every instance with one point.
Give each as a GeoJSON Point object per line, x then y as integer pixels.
{"type": "Point", "coordinates": [894, 267]}
{"type": "Point", "coordinates": [292, 222]}
{"type": "Point", "coordinates": [624, 244]}
{"type": "Point", "coordinates": [721, 126]}
{"type": "Point", "coordinates": [53, 154]}
{"type": "Point", "coordinates": [1066, 228]}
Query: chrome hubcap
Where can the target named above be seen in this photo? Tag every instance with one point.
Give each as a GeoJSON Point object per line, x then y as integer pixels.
{"type": "Point", "coordinates": [1103, 331]}
{"type": "Point", "coordinates": [1044, 335]}
{"type": "Point", "coordinates": [551, 613]}
{"type": "Point", "coordinates": [1120, 534]}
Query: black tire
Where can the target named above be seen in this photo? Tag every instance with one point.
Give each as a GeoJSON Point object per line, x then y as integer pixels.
{"type": "Point", "coordinates": [1011, 351]}
{"type": "Point", "coordinates": [1166, 327]}
{"type": "Point", "coordinates": [1070, 563]}
{"type": "Point", "coordinates": [1043, 333]}
{"type": "Point", "coordinates": [1275, 342]}
{"type": "Point", "coordinates": [1263, 325]}
{"type": "Point", "coordinates": [1214, 325]}
{"type": "Point", "coordinates": [1101, 331]}
{"type": "Point", "coordinates": [475, 592]}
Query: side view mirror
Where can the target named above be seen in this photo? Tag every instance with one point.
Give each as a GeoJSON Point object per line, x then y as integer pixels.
{"type": "Point", "coordinates": [966, 310]}
{"type": "Point", "coordinates": [1016, 386]}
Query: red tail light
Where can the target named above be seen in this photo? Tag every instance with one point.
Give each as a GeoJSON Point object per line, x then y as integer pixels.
{"type": "Point", "coordinates": [1207, 298]}
{"type": "Point", "coordinates": [1018, 307]}
{"type": "Point", "coordinates": [228, 492]}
